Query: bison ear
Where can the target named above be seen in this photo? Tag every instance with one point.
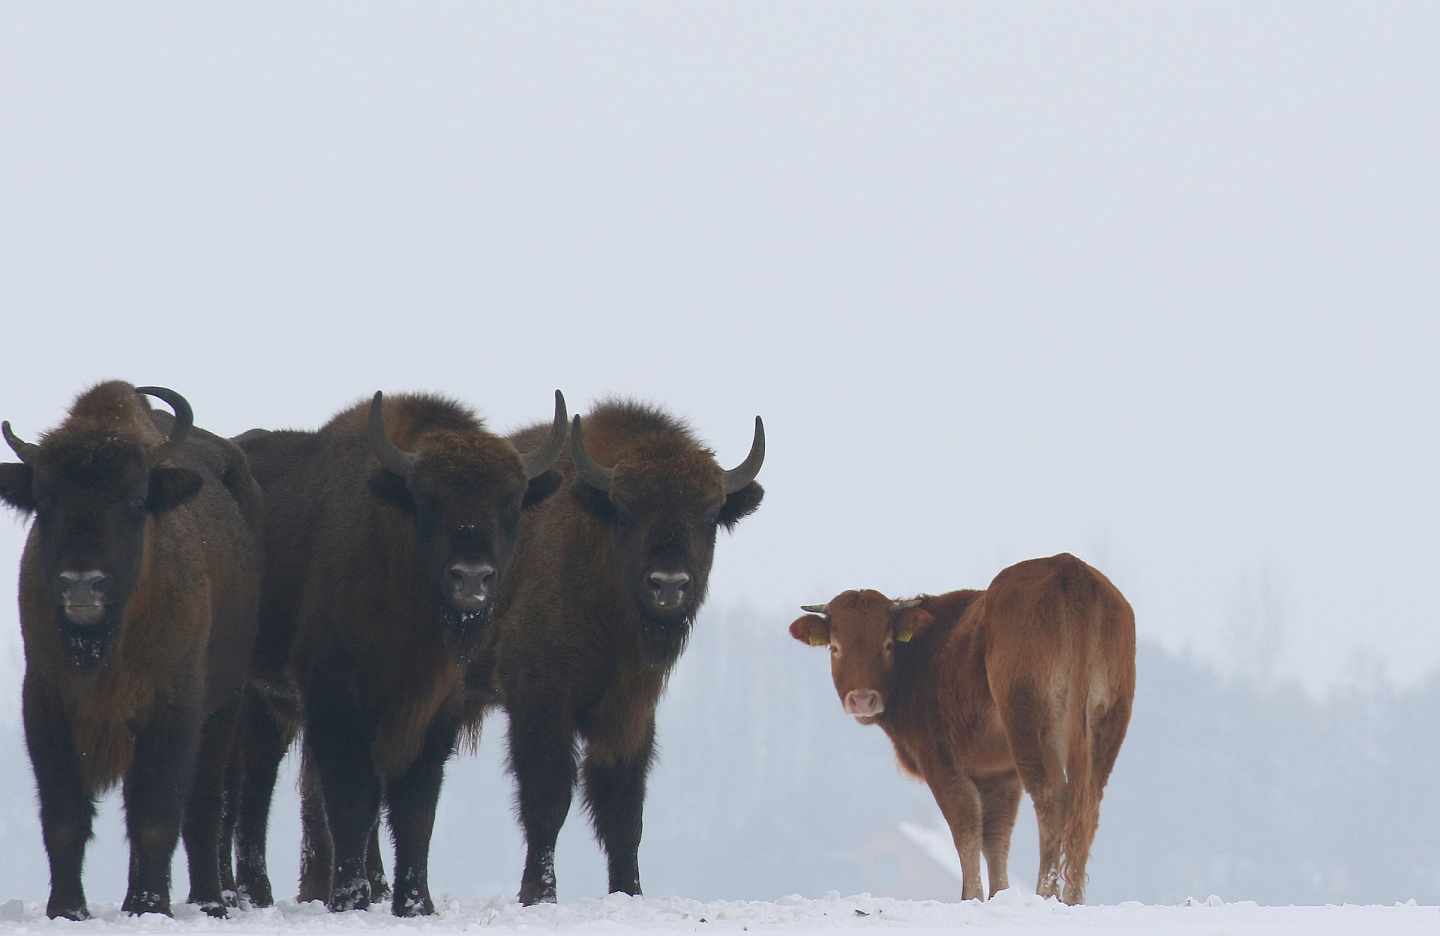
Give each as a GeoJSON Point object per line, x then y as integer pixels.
{"type": "Point", "coordinates": [740, 505]}
{"type": "Point", "coordinates": [15, 487]}
{"type": "Point", "coordinates": [911, 623]}
{"type": "Point", "coordinates": [392, 489]}
{"type": "Point", "coordinates": [811, 629]}
{"type": "Point", "coordinates": [540, 487]}
{"type": "Point", "coordinates": [171, 487]}
{"type": "Point", "coordinates": [594, 500]}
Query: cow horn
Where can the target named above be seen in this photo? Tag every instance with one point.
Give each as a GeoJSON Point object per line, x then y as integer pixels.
{"type": "Point", "coordinates": [742, 474]}
{"type": "Point", "coordinates": [543, 459]}
{"type": "Point", "coordinates": [905, 604]}
{"type": "Point", "coordinates": [23, 450]}
{"type": "Point", "coordinates": [823, 610]}
{"type": "Point", "coordinates": [184, 419]}
{"type": "Point", "coordinates": [391, 456]}
{"type": "Point", "coordinates": [597, 476]}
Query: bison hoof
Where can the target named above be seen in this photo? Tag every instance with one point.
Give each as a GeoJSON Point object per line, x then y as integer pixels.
{"type": "Point", "coordinates": [352, 896]}
{"type": "Point", "coordinates": [212, 908]}
{"type": "Point", "coordinates": [67, 910]}
{"type": "Point", "coordinates": [413, 905]}
{"type": "Point", "coordinates": [379, 889]}
{"type": "Point", "coordinates": [143, 902]}
{"type": "Point", "coordinates": [257, 893]}
{"type": "Point", "coordinates": [538, 894]}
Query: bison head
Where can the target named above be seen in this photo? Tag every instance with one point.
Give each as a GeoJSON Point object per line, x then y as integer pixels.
{"type": "Point", "coordinates": [466, 491]}
{"type": "Point", "coordinates": [663, 505]}
{"type": "Point", "coordinates": [93, 493]}
{"type": "Point", "coordinates": [862, 628]}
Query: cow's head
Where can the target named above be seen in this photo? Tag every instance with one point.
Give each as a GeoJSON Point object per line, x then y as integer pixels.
{"type": "Point", "coordinates": [862, 630]}
{"type": "Point", "coordinates": [93, 492]}
{"type": "Point", "coordinates": [465, 490]}
{"type": "Point", "coordinates": [663, 505]}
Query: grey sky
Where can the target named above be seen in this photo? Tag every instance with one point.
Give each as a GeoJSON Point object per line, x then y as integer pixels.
{"type": "Point", "coordinates": [1147, 282]}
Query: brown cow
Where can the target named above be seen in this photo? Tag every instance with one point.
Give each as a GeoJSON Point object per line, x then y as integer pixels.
{"type": "Point", "coordinates": [1028, 682]}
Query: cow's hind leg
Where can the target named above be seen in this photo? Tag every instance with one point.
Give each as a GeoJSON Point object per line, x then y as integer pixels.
{"type": "Point", "coordinates": [1032, 728]}
{"type": "Point", "coordinates": [959, 801]}
{"type": "Point", "coordinates": [67, 811]}
{"type": "Point", "coordinates": [615, 796]}
{"type": "Point", "coordinates": [205, 807]}
{"type": "Point", "coordinates": [999, 804]}
{"type": "Point", "coordinates": [1090, 769]}
{"type": "Point", "coordinates": [542, 757]}
{"type": "Point", "coordinates": [411, 799]}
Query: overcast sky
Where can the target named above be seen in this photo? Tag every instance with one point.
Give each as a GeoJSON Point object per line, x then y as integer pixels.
{"type": "Point", "coordinates": [1153, 283]}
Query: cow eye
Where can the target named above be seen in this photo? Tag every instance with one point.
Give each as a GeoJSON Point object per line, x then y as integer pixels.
{"type": "Point", "coordinates": [890, 646]}
{"type": "Point", "coordinates": [834, 649]}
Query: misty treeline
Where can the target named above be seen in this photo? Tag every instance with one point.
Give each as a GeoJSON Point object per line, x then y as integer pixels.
{"type": "Point", "coordinates": [764, 788]}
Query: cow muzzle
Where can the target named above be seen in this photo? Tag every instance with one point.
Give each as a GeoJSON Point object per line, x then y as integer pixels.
{"type": "Point", "coordinates": [865, 705]}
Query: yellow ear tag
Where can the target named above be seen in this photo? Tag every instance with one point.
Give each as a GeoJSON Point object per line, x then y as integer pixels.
{"type": "Point", "coordinates": [903, 634]}
{"type": "Point", "coordinates": [818, 639]}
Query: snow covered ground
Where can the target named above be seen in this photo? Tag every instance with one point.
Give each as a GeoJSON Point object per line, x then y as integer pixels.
{"type": "Point", "coordinates": [1012, 912]}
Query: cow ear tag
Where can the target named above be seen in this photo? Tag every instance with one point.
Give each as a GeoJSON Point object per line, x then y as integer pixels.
{"type": "Point", "coordinates": [904, 633]}
{"type": "Point", "coordinates": [818, 639]}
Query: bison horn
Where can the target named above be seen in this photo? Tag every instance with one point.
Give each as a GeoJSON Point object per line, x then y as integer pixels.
{"type": "Point", "coordinates": [823, 610]}
{"type": "Point", "coordinates": [394, 458]}
{"type": "Point", "coordinates": [742, 474]}
{"type": "Point", "coordinates": [25, 451]}
{"type": "Point", "coordinates": [905, 604]}
{"type": "Point", "coordinates": [592, 474]}
{"type": "Point", "coordinates": [184, 419]}
{"type": "Point", "coordinates": [543, 459]}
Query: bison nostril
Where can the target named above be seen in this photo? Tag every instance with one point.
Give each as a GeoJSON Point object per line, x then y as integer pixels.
{"type": "Point", "coordinates": [471, 577]}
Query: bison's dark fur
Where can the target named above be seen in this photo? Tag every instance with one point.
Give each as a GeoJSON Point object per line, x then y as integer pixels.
{"type": "Point", "coordinates": [371, 609]}
{"type": "Point", "coordinates": [592, 620]}
{"type": "Point", "coordinates": [136, 674]}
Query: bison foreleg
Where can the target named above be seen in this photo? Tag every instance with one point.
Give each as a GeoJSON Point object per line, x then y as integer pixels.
{"type": "Point", "coordinates": [615, 796]}
{"type": "Point", "coordinates": [67, 811]}
{"type": "Point", "coordinates": [542, 757]}
{"type": "Point", "coordinates": [411, 800]}
{"type": "Point", "coordinates": [264, 738]}
{"type": "Point", "coordinates": [205, 807]}
{"type": "Point", "coordinates": [341, 755]}
{"type": "Point", "coordinates": [156, 789]}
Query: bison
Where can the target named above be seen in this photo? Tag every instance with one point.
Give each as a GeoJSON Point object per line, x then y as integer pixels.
{"type": "Point", "coordinates": [138, 589]}
{"type": "Point", "coordinates": [389, 534]}
{"type": "Point", "coordinates": [1027, 683]}
{"type": "Point", "coordinates": [607, 582]}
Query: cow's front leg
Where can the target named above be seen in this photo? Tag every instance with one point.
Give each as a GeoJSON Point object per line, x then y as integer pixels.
{"type": "Point", "coordinates": [959, 801]}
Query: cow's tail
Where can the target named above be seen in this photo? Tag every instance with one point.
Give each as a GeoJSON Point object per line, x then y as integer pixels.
{"type": "Point", "coordinates": [1083, 816]}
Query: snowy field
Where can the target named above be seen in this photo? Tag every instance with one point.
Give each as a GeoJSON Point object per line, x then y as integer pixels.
{"type": "Point", "coordinates": [1012, 912]}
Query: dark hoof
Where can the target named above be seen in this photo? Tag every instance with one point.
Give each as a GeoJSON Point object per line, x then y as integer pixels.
{"type": "Point", "coordinates": [530, 896]}
{"type": "Point", "coordinates": [353, 896]}
{"type": "Point", "coordinates": [67, 911]}
{"type": "Point", "coordinates": [257, 894]}
{"type": "Point", "coordinates": [379, 889]}
{"type": "Point", "coordinates": [413, 905]}
{"type": "Point", "coordinates": [212, 908]}
{"type": "Point", "coordinates": [142, 903]}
